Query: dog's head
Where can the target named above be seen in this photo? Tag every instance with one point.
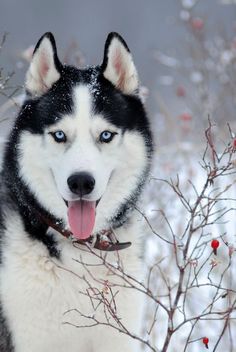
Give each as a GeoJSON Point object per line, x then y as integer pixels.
{"type": "Point", "coordinates": [83, 139]}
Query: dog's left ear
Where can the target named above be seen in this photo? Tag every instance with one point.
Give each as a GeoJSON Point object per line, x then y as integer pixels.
{"type": "Point", "coordinates": [44, 68]}
{"type": "Point", "coordinates": [118, 66]}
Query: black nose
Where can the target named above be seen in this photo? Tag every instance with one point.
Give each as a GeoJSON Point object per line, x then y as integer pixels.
{"type": "Point", "coordinates": [81, 183]}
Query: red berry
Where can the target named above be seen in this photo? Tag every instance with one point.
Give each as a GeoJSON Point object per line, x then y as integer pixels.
{"type": "Point", "coordinates": [205, 340]}
{"type": "Point", "coordinates": [214, 245]}
{"type": "Point", "coordinates": [180, 91]}
{"type": "Point", "coordinates": [185, 116]}
{"type": "Point", "coordinates": [234, 143]}
{"type": "Point", "coordinates": [197, 23]}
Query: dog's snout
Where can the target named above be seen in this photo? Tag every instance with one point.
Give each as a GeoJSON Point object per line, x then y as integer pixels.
{"type": "Point", "coordinates": [81, 183]}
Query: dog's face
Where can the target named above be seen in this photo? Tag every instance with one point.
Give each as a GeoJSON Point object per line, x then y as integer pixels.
{"type": "Point", "coordinates": [84, 142]}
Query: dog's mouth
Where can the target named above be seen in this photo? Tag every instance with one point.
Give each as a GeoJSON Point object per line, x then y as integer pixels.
{"type": "Point", "coordinates": [81, 216]}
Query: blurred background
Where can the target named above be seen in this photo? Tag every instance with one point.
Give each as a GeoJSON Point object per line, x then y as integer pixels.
{"type": "Point", "coordinates": [185, 52]}
{"type": "Point", "coordinates": [184, 49]}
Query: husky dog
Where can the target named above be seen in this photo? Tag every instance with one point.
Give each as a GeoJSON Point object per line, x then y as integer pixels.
{"type": "Point", "coordinates": [74, 165]}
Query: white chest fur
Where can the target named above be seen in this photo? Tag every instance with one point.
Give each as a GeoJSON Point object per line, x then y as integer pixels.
{"type": "Point", "coordinates": [40, 295]}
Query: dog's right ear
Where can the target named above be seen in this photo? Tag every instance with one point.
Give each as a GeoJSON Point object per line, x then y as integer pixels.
{"type": "Point", "coordinates": [45, 66]}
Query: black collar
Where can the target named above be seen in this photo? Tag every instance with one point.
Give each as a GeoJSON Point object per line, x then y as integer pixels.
{"type": "Point", "coordinates": [105, 240]}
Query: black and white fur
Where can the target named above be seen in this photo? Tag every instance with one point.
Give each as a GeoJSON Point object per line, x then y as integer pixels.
{"type": "Point", "coordinates": [40, 277]}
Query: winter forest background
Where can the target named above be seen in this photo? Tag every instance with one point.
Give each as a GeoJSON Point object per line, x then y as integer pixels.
{"type": "Point", "coordinates": [185, 52]}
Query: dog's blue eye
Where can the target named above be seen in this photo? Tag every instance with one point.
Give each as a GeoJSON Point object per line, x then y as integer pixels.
{"type": "Point", "coordinates": [106, 136]}
{"type": "Point", "coordinates": [59, 136]}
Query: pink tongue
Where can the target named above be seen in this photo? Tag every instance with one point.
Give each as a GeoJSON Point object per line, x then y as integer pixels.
{"type": "Point", "coordinates": [81, 215]}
